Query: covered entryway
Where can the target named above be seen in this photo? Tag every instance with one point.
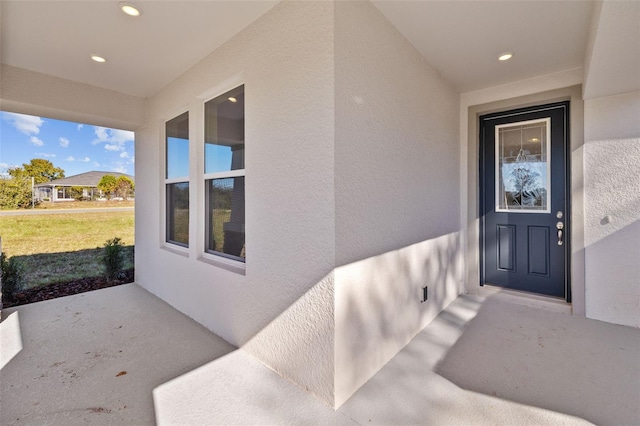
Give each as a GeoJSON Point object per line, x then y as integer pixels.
{"type": "Point", "coordinates": [523, 199]}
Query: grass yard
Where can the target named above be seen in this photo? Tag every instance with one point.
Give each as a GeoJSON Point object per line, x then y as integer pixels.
{"type": "Point", "coordinates": [62, 247]}
{"type": "Point", "coordinates": [66, 205]}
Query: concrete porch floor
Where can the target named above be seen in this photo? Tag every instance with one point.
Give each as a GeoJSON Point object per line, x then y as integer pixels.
{"type": "Point", "coordinates": [122, 356]}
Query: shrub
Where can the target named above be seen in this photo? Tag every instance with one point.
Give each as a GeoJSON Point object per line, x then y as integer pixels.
{"type": "Point", "coordinates": [11, 275]}
{"type": "Point", "coordinates": [113, 258]}
{"type": "Point", "coordinates": [15, 193]}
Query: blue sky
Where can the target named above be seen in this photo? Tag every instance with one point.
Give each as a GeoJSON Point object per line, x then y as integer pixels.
{"type": "Point", "coordinates": [74, 147]}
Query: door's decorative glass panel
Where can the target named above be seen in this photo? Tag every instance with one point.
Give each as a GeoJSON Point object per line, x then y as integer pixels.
{"type": "Point", "coordinates": [523, 168]}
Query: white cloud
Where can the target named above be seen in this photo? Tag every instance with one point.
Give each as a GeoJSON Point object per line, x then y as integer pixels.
{"type": "Point", "coordinates": [80, 126]}
{"type": "Point", "coordinates": [113, 147]}
{"type": "Point", "coordinates": [85, 160]}
{"type": "Point", "coordinates": [120, 169]}
{"type": "Point", "coordinates": [27, 124]}
{"type": "Point", "coordinates": [36, 141]}
{"type": "Point", "coordinates": [45, 155]}
{"type": "Point", "coordinates": [64, 142]}
{"type": "Point", "coordinates": [133, 159]}
{"type": "Point", "coordinates": [114, 139]}
{"type": "Point", "coordinates": [70, 158]}
{"type": "Point", "coordinates": [124, 154]}
{"type": "Point", "coordinates": [95, 163]}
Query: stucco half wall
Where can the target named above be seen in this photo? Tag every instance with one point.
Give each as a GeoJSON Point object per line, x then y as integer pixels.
{"type": "Point", "coordinates": [612, 208]}
{"type": "Point", "coordinates": [352, 200]}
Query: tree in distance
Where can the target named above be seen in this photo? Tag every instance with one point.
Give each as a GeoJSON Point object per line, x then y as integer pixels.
{"type": "Point", "coordinates": [121, 187]}
{"type": "Point", "coordinates": [40, 170]}
{"type": "Point", "coordinates": [107, 185]}
{"type": "Point", "coordinates": [124, 187]}
{"type": "Point", "coordinates": [15, 190]}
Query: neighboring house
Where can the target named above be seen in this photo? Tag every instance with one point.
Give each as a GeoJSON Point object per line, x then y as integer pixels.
{"type": "Point", "coordinates": [59, 189]}
{"type": "Point", "coordinates": [315, 185]}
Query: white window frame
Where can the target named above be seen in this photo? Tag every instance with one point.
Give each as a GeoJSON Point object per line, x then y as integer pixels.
{"type": "Point", "coordinates": [216, 258]}
{"type": "Point", "coordinates": [166, 243]}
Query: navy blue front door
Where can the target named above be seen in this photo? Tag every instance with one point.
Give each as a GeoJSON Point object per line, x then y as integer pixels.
{"type": "Point", "coordinates": [523, 192]}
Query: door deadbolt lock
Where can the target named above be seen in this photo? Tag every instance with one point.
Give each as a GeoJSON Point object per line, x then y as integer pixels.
{"type": "Point", "coordinates": [559, 225]}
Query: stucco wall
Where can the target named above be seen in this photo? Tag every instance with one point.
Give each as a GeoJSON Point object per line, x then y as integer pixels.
{"type": "Point", "coordinates": [396, 190]}
{"type": "Point", "coordinates": [285, 60]}
{"type": "Point", "coordinates": [612, 208]}
{"type": "Point", "coordinates": [344, 168]}
{"type": "Point", "coordinates": [29, 92]}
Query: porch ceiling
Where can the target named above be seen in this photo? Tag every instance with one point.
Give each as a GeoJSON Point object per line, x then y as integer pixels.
{"type": "Point", "coordinates": [143, 54]}
{"type": "Point", "coordinates": [461, 39]}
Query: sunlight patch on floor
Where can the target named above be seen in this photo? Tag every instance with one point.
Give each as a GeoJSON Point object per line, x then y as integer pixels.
{"type": "Point", "coordinates": [11, 338]}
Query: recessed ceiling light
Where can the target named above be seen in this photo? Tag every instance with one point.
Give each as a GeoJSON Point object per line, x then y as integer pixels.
{"type": "Point", "coordinates": [232, 99]}
{"type": "Point", "coordinates": [130, 9]}
{"type": "Point", "coordinates": [505, 56]}
{"type": "Point", "coordinates": [98, 58]}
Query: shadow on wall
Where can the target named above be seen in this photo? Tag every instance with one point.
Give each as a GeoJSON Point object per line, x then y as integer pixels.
{"type": "Point", "coordinates": [612, 274]}
{"type": "Point", "coordinates": [379, 306]}
{"type": "Point", "coordinates": [338, 334]}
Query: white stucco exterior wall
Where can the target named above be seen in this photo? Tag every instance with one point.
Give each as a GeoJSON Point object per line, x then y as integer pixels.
{"type": "Point", "coordinates": [612, 208]}
{"type": "Point", "coordinates": [344, 169]}
{"type": "Point", "coordinates": [396, 194]}
{"type": "Point", "coordinates": [29, 92]}
{"type": "Point", "coordinates": [285, 60]}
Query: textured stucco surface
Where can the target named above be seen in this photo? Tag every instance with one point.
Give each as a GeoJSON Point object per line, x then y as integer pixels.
{"type": "Point", "coordinates": [612, 117]}
{"type": "Point", "coordinates": [611, 156]}
{"type": "Point", "coordinates": [379, 306]}
{"type": "Point", "coordinates": [299, 344]}
{"type": "Point", "coordinates": [341, 167]}
{"type": "Point", "coordinates": [285, 60]}
{"type": "Point", "coordinates": [396, 151]}
{"type": "Point", "coordinates": [33, 93]}
{"type": "Point", "coordinates": [612, 230]}
{"type": "Point", "coordinates": [396, 192]}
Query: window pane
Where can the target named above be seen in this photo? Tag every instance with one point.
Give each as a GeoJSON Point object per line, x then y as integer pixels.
{"type": "Point", "coordinates": [225, 217]}
{"type": "Point", "coordinates": [177, 133]}
{"type": "Point", "coordinates": [178, 213]}
{"type": "Point", "coordinates": [523, 167]}
{"type": "Point", "coordinates": [224, 132]}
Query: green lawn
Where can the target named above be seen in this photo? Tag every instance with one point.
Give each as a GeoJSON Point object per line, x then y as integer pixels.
{"type": "Point", "coordinates": [62, 247]}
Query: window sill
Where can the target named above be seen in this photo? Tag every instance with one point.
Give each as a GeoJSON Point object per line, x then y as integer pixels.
{"type": "Point", "coordinates": [176, 249]}
{"type": "Point", "coordinates": [224, 263]}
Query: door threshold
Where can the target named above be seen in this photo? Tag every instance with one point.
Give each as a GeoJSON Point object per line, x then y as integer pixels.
{"type": "Point", "coordinates": [533, 300]}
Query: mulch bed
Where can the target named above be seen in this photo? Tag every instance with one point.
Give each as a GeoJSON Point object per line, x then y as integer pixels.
{"type": "Point", "coordinates": [65, 289]}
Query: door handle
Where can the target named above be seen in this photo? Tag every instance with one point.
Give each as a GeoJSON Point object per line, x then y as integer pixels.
{"type": "Point", "coordinates": [560, 227]}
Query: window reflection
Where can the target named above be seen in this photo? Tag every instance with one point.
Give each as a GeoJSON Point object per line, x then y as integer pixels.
{"type": "Point", "coordinates": [224, 132]}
